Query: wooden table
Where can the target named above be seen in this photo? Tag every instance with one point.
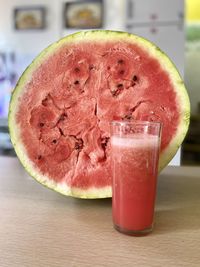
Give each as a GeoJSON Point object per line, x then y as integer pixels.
{"type": "Point", "coordinates": [39, 227]}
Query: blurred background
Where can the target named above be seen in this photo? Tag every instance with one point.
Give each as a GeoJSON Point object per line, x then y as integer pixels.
{"type": "Point", "coordinates": [27, 27]}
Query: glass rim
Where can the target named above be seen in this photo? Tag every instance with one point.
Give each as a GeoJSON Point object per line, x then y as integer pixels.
{"type": "Point", "coordinates": [120, 122]}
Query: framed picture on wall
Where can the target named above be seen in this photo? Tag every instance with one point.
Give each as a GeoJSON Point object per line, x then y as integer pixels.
{"type": "Point", "coordinates": [83, 14]}
{"type": "Point", "coordinates": [29, 18]}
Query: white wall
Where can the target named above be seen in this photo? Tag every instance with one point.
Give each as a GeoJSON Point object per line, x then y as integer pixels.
{"type": "Point", "coordinates": [28, 41]}
{"type": "Point", "coordinates": [27, 44]}
{"type": "Point", "coordinates": [34, 41]}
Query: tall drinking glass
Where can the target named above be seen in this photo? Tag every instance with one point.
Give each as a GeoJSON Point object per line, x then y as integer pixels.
{"type": "Point", "coordinates": [135, 155]}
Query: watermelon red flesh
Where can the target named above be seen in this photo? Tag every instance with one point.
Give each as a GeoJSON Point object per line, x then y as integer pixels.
{"type": "Point", "coordinates": [67, 103]}
{"type": "Point", "coordinates": [68, 112]}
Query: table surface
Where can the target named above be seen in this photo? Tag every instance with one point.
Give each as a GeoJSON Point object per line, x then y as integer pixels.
{"type": "Point", "coordinates": [39, 227]}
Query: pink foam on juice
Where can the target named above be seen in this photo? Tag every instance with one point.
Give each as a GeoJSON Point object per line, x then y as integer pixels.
{"type": "Point", "coordinates": [135, 164]}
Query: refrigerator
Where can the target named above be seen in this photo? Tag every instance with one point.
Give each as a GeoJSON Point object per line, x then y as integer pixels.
{"type": "Point", "coordinates": [162, 22]}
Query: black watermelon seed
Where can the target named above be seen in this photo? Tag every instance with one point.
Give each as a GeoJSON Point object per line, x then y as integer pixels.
{"type": "Point", "coordinates": [44, 102]}
{"type": "Point", "coordinates": [54, 141]}
{"type": "Point", "coordinates": [77, 70]}
{"type": "Point", "coordinates": [62, 117]}
{"type": "Point", "coordinates": [76, 82]}
{"type": "Point", "coordinates": [115, 92]}
{"type": "Point", "coordinates": [127, 117]}
{"type": "Point", "coordinates": [41, 124]}
{"type": "Point", "coordinates": [118, 91]}
{"type": "Point", "coordinates": [39, 157]}
{"type": "Point", "coordinates": [121, 72]}
{"type": "Point", "coordinates": [79, 144]}
{"type": "Point", "coordinates": [135, 78]}
{"type": "Point", "coordinates": [61, 131]}
{"type": "Point", "coordinates": [162, 108]}
{"type": "Point", "coordinates": [120, 61]}
{"type": "Point", "coordinates": [133, 83]}
{"type": "Point", "coordinates": [104, 142]}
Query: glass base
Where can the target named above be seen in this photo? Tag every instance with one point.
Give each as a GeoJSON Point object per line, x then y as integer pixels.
{"type": "Point", "coordinates": [143, 232]}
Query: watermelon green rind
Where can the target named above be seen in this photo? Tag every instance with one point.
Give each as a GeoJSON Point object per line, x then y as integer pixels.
{"type": "Point", "coordinates": [97, 36]}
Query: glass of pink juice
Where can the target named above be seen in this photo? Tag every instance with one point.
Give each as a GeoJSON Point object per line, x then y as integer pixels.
{"type": "Point", "coordinates": [135, 155]}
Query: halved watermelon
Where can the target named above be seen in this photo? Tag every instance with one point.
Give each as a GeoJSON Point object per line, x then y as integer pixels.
{"type": "Point", "coordinates": [62, 105]}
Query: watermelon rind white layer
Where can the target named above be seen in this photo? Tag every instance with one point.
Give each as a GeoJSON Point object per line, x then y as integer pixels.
{"type": "Point", "coordinates": [97, 36]}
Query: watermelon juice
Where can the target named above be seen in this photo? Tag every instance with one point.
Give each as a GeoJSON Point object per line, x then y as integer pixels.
{"type": "Point", "coordinates": [134, 166]}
